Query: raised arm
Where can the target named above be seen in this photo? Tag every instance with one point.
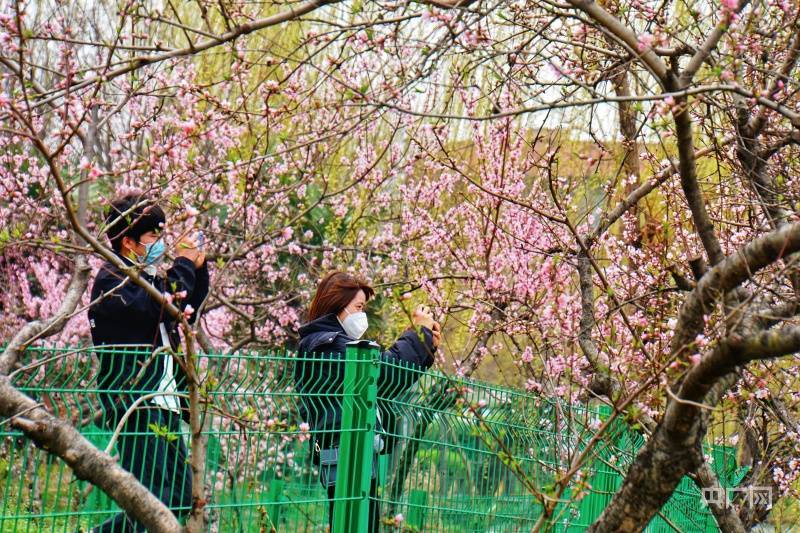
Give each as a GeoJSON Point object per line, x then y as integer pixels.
{"type": "Point", "coordinates": [198, 295]}
{"type": "Point", "coordinates": [408, 357]}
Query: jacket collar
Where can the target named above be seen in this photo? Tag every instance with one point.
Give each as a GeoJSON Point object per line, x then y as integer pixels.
{"type": "Point", "coordinates": [326, 323]}
{"type": "Point", "coordinates": [128, 262]}
{"type": "Point", "coordinates": [321, 331]}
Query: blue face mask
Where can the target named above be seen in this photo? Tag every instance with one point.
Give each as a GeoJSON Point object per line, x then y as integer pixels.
{"type": "Point", "coordinates": [153, 253]}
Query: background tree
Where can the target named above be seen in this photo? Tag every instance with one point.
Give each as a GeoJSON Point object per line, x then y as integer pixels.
{"type": "Point", "coordinates": [599, 198]}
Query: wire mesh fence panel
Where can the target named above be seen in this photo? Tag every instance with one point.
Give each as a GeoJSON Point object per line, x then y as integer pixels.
{"type": "Point", "coordinates": [440, 454]}
{"type": "Point", "coordinates": [259, 476]}
{"type": "Point", "coordinates": [472, 456]}
{"type": "Point", "coordinates": [40, 493]}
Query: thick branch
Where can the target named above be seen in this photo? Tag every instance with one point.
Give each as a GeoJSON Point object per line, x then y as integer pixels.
{"type": "Point", "coordinates": [725, 357]}
{"type": "Point", "coordinates": [691, 187]}
{"type": "Point", "coordinates": [587, 322]}
{"type": "Point", "coordinates": [729, 274]}
{"type": "Point", "coordinates": [606, 20]}
{"type": "Point", "coordinates": [87, 462]}
{"type": "Point", "coordinates": [54, 324]}
{"type": "Point", "coordinates": [725, 513]}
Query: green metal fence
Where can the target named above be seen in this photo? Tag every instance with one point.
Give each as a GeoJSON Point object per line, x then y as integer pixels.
{"type": "Point", "coordinates": [465, 455]}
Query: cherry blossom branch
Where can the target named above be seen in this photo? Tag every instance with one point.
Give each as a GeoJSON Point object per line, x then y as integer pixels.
{"type": "Point", "coordinates": [756, 123]}
{"type": "Point", "coordinates": [704, 51]}
{"type": "Point", "coordinates": [448, 4]}
{"type": "Point", "coordinates": [729, 354]}
{"type": "Point", "coordinates": [609, 22]}
{"type": "Point", "coordinates": [790, 114]}
{"type": "Point", "coordinates": [136, 63]}
{"type": "Point", "coordinates": [198, 443]}
{"type": "Point", "coordinates": [675, 448]}
{"type": "Point", "coordinates": [666, 172]}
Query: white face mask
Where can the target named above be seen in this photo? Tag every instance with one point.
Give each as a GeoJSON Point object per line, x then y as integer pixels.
{"type": "Point", "coordinates": [355, 324]}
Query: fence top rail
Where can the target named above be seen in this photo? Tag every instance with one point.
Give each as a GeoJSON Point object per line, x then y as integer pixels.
{"type": "Point", "coordinates": [465, 387]}
{"type": "Point", "coordinates": [272, 372]}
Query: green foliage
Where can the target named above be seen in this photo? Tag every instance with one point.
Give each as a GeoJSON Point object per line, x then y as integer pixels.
{"type": "Point", "coordinates": [163, 432]}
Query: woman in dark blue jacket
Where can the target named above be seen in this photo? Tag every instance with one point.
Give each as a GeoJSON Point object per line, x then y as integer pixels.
{"type": "Point", "coordinates": [336, 317]}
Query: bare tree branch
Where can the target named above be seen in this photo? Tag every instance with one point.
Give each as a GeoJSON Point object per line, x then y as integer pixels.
{"type": "Point", "coordinates": [87, 462]}
{"type": "Point", "coordinates": [727, 275]}
{"type": "Point", "coordinates": [40, 328]}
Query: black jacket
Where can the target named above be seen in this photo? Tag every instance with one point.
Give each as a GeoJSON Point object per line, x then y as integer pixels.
{"type": "Point", "coordinates": [125, 314]}
{"type": "Point", "coordinates": [320, 382]}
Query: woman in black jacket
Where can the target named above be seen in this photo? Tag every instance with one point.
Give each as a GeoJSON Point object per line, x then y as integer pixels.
{"type": "Point", "coordinates": [125, 316]}
{"type": "Point", "coordinates": [336, 317]}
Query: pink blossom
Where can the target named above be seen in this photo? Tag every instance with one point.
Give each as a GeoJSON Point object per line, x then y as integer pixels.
{"type": "Point", "coordinates": [187, 127]}
{"type": "Point", "coordinates": [645, 41]}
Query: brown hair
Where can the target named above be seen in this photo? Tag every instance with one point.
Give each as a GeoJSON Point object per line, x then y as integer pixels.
{"type": "Point", "coordinates": [335, 291]}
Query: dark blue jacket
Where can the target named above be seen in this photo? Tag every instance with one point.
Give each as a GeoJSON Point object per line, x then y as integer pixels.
{"type": "Point", "coordinates": [320, 382]}
{"type": "Point", "coordinates": [124, 313]}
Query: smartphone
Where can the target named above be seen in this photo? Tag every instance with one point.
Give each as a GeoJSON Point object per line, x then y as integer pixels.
{"type": "Point", "coordinates": [200, 239]}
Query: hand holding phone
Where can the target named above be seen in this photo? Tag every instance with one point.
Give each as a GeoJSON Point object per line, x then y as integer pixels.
{"type": "Point", "coordinates": [422, 316]}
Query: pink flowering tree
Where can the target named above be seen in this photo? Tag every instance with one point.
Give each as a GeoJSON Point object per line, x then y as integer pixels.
{"type": "Point", "coordinates": [599, 199]}
{"type": "Point", "coordinates": [253, 147]}
{"type": "Point", "coordinates": [649, 263]}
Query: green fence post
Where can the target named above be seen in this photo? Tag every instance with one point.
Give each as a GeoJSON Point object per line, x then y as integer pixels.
{"type": "Point", "coordinates": [418, 501]}
{"type": "Point", "coordinates": [274, 498]}
{"type": "Point", "coordinates": [356, 445]}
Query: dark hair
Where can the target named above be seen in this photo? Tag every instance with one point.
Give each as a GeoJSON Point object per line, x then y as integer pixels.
{"type": "Point", "coordinates": [335, 291]}
{"type": "Point", "coordinates": [132, 216]}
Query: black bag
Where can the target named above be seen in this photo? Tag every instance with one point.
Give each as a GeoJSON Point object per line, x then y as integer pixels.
{"type": "Point", "coordinates": [328, 463]}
